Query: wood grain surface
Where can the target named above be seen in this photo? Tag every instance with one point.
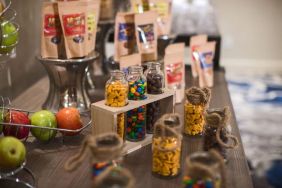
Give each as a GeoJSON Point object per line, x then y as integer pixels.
{"type": "Point", "coordinates": [47, 160]}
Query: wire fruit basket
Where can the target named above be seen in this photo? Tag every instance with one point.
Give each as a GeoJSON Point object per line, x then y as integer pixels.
{"type": "Point", "coordinates": [6, 111]}
{"type": "Point", "coordinates": [12, 177]}
{"type": "Point", "coordinates": [9, 32]}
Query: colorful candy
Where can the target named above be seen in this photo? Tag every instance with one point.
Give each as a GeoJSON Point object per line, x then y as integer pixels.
{"type": "Point", "coordinates": [194, 119]}
{"type": "Point", "coordinates": [98, 168]}
{"type": "Point", "coordinates": [136, 124]}
{"type": "Point", "coordinates": [166, 156]}
{"type": "Point", "coordinates": [137, 90]}
{"type": "Point", "coordinates": [201, 183]}
{"type": "Point", "coordinates": [153, 114]}
{"type": "Point", "coordinates": [121, 125]}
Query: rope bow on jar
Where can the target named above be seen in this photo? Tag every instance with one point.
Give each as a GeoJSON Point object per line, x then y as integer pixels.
{"type": "Point", "coordinates": [115, 176]}
{"type": "Point", "coordinates": [205, 165]}
{"type": "Point", "coordinates": [218, 119]}
{"type": "Point", "coordinates": [198, 96]}
{"type": "Point", "coordinates": [104, 147]}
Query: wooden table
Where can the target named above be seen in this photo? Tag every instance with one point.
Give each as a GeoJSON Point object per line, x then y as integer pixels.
{"type": "Point", "coordinates": [47, 160]}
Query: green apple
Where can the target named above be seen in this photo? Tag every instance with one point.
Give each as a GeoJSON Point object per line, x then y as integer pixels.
{"type": "Point", "coordinates": [10, 37]}
{"type": "Point", "coordinates": [1, 120]}
{"type": "Point", "coordinates": [43, 118]}
{"type": "Point", "coordinates": [12, 152]}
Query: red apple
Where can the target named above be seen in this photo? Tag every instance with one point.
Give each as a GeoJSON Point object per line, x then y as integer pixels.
{"type": "Point", "coordinates": [16, 131]}
{"type": "Point", "coordinates": [69, 118]}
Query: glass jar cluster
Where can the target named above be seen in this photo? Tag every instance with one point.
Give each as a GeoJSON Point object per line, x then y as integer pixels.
{"type": "Point", "coordinates": [135, 85]}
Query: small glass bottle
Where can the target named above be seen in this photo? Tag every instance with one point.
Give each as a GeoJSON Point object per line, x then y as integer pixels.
{"type": "Point", "coordinates": [105, 150]}
{"type": "Point", "coordinates": [137, 83]}
{"type": "Point", "coordinates": [194, 108]}
{"type": "Point", "coordinates": [166, 149]}
{"type": "Point", "coordinates": [116, 90]}
{"type": "Point", "coordinates": [155, 78]}
{"type": "Point", "coordinates": [216, 133]}
{"type": "Point", "coordinates": [115, 177]}
{"type": "Point", "coordinates": [136, 124]}
{"type": "Point", "coordinates": [205, 170]}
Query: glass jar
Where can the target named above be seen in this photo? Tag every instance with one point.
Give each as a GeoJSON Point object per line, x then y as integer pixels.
{"type": "Point", "coordinates": [166, 149]}
{"type": "Point", "coordinates": [136, 124]}
{"type": "Point", "coordinates": [153, 114]}
{"type": "Point", "coordinates": [137, 83]}
{"type": "Point", "coordinates": [155, 78]}
{"type": "Point", "coordinates": [115, 177]}
{"type": "Point", "coordinates": [121, 124]}
{"type": "Point", "coordinates": [173, 121]}
{"type": "Point", "coordinates": [205, 170]}
{"type": "Point", "coordinates": [194, 119]}
{"type": "Point", "coordinates": [116, 90]}
{"type": "Point", "coordinates": [194, 108]}
{"type": "Point", "coordinates": [105, 150]}
{"type": "Point", "coordinates": [216, 133]}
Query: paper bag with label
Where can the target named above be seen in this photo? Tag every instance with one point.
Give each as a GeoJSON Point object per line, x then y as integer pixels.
{"type": "Point", "coordinates": [195, 42]}
{"type": "Point", "coordinates": [205, 64]}
{"type": "Point", "coordinates": [125, 41]}
{"type": "Point", "coordinates": [163, 8]}
{"type": "Point", "coordinates": [146, 35]}
{"type": "Point", "coordinates": [73, 20]}
{"type": "Point", "coordinates": [52, 40]}
{"type": "Point", "coordinates": [92, 18]}
{"type": "Point", "coordinates": [175, 69]}
{"type": "Point", "coordinates": [139, 6]}
{"type": "Point", "coordinates": [130, 60]}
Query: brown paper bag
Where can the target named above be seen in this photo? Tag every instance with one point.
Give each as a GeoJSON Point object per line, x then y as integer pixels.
{"type": "Point", "coordinates": [125, 41]}
{"type": "Point", "coordinates": [52, 41]}
{"type": "Point", "coordinates": [163, 8]}
{"type": "Point", "coordinates": [205, 64]}
{"type": "Point", "coordinates": [175, 69]}
{"type": "Point", "coordinates": [73, 20]}
{"type": "Point", "coordinates": [130, 60]}
{"type": "Point", "coordinates": [139, 6]}
{"type": "Point", "coordinates": [146, 35]}
{"type": "Point", "coordinates": [92, 18]}
{"type": "Point", "coordinates": [195, 42]}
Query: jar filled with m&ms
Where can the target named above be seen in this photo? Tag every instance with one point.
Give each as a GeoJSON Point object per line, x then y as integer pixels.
{"type": "Point", "coordinates": [194, 108]}
{"type": "Point", "coordinates": [136, 124]}
{"type": "Point", "coordinates": [137, 83]}
{"type": "Point", "coordinates": [155, 78]}
{"type": "Point", "coordinates": [166, 149]}
{"type": "Point", "coordinates": [205, 170]}
{"type": "Point", "coordinates": [116, 90]}
{"type": "Point", "coordinates": [105, 151]}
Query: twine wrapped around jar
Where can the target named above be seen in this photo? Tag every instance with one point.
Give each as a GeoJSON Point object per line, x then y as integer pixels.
{"type": "Point", "coordinates": [216, 135]}
{"type": "Point", "coordinates": [115, 176]}
{"type": "Point", "coordinates": [104, 148]}
{"type": "Point", "coordinates": [196, 103]}
{"type": "Point", "coordinates": [206, 169]}
{"type": "Point", "coordinates": [172, 120]}
{"type": "Point", "coordinates": [166, 148]}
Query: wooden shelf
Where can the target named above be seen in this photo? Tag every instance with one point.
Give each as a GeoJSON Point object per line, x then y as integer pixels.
{"type": "Point", "coordinates": [104, 118]}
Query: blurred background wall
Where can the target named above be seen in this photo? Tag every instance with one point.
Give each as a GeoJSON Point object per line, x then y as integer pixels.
{"type": "Point", "coordinates": [251, 34]}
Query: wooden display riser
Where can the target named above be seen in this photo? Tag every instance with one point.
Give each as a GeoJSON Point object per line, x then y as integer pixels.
{"type": "Point", "coordinates": [104, 118]}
